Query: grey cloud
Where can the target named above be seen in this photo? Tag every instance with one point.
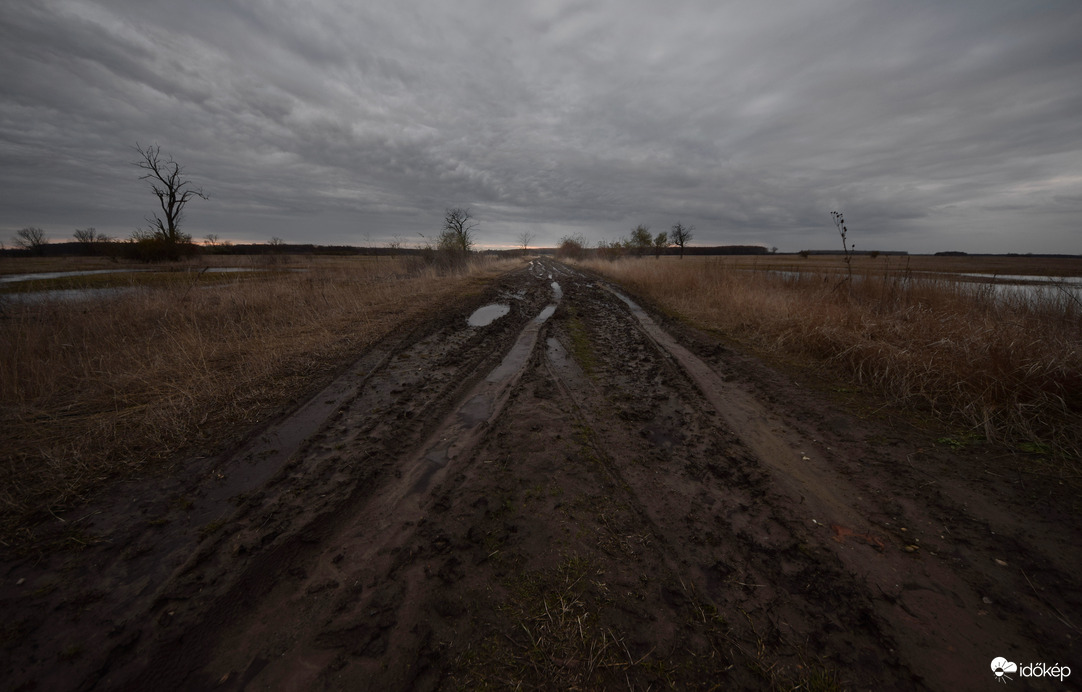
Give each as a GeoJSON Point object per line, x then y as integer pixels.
{"type": "Point", "coordinates": [749, 121]}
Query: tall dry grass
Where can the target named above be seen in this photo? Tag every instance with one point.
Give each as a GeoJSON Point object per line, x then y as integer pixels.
{"type": "Point", "coordinates": [1003, 365]}
{"type": "Point", "coordinates": [94, 389]}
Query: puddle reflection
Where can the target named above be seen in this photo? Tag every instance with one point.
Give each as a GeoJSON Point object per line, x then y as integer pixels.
{"type": "Point", "coordinates": [487, 314]}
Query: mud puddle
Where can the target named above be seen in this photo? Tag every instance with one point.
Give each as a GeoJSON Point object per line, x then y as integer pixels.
{"type": "Point", "coordinates": [487, 314]}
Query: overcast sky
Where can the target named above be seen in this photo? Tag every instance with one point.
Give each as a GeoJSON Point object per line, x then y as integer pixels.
{"type": "Point", "coordinates": [933, 125]}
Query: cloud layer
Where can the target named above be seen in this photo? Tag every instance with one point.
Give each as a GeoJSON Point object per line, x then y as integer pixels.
{"type": "Point", "coordinates": [934, 126]}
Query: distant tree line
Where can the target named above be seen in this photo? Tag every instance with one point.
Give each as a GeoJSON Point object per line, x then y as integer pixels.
{"type": "Point", "coordinates": [872, 253]}
{"type": "Point", "coordinates": [128, 249]}
{"type": "Point", "coordinates": [638, 242]}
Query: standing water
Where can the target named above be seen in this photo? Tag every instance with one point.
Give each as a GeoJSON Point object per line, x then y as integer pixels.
{"type": "Point", "coordinates": [487, 314]}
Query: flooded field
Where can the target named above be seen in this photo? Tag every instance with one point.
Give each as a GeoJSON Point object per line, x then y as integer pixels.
{"type": "Point", "coordinates": [37, 276]}
{"type": "Point", "coordinates": [84, 285]}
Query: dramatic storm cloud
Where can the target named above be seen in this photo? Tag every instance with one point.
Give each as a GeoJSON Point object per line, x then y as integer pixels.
{"type": "Point", "coordinates": [934, 126]}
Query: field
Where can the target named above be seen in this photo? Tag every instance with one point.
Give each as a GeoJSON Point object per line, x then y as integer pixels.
{"type": "Point", "coordinates": [675, 473]}
{"type": "Point", "coordinates": [1005, 367]}
{"type": "Point", "coordinates": [96, 389]}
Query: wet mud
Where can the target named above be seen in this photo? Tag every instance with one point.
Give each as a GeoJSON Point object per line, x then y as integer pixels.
{"type": "Point", "coordinates": [579, 493]}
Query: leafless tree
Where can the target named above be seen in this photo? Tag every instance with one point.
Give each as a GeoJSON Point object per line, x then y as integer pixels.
{"type": "Point", "coordinates": [172, 190]}
{"type": "Point", "coordinates": [457, 233]}
{"type": "Point", "coordinates": [86, 236]}
{"type": "Point", "coordinates": [90, 241]}
{"type": "Point", "coordinates": [524, 240]}
{"type": "Point", "coordinates": [30, 238]}
{"type": "Point", "coordinates": [681, 235]}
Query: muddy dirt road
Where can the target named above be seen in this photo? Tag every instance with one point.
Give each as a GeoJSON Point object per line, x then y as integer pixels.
{"type": "Point", "coordinates": [577, 495]}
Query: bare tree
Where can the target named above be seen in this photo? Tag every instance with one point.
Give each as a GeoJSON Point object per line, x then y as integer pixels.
{"type": "Point", "coordinates": [681, 235]}
{"type": "Point", "coordinates": [524, 240]}
{"type": "Point", "coordinates": [86, 236]}
{"type": "Point", "coordinates": [457, 233]}
{"type": "Point", "coordinates": [90, 241]}
{"type": "Point", "coordinates": [172, 190]}
{"type": "Point", "coordinates": [31, 238]}
{"type": "Point", "coordinates": [661, 241]}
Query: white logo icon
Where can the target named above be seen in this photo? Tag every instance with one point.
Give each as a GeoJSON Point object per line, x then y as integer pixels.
{"type": "Point", "coordinates": [1001, 666]}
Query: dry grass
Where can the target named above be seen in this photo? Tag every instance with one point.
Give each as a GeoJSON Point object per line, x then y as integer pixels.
{"type": "Point", "coordinates": [556, 640]}
{"type": "Point", "coordinates": [92, 390]}
{"type": "Point", "coordinates": [1006, 367]}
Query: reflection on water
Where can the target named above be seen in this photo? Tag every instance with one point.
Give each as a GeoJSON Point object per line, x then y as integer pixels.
{"type": "Point", "coordinates": [76, 294]}
{"type": "Point", "coordinates": [67, 295]}
{"type": "Point", "coordinates": [1022, 278]}
{"type": "Point", "coordinates": [13, 278]}
{"type": "Point", "coordinates": [1032, 288]}
{"type": "Point", "coordinates": [487, 314]}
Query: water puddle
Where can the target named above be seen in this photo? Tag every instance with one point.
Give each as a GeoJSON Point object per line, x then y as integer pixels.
{"type": "Point", "coordinates": [77, 294]}
{"type": "Point", "coordinates": [1035, 289]}
{"type": "Point", "coordinates": [1023, 278]}
{"type": "Point", "coordinates": [461, 431]}
{"type": "Point", "coordinates": [15, 278]}
{"type": "Point", "coordinates": [557, 292]}
{"type": "Point", "coordinates": [487, 314]}
{"type": "Point", "coordinates": [65, 295]}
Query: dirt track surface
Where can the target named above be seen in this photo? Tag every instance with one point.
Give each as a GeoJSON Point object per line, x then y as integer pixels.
{"type": "Point", "coordinates": [585, 497]}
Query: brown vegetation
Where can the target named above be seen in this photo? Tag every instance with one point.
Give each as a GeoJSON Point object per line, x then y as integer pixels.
{"type": "Point", "coordinates": [100, 388]}
{"type": "Point", "coordinates": [1004, 367]}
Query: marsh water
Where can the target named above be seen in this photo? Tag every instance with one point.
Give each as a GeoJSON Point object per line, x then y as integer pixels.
{"type": "Point", "coordinates": [77, 294]}
{"type": "Point", "coordinates": [1032, 288]}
